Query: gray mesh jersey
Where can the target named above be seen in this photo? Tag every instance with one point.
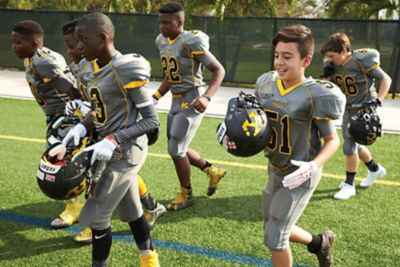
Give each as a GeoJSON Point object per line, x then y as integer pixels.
{"type": "Point", "coordinates": [291, 111]}
{"type": "Point", "coordinates": [107, 91]}
{"type": "Point", "coordinates": [44, 66]}
{"type": "Point", "coordinates": [82, 72]}
{"type": "Point", "coordinates": [356, 76]}
{"type": "Point", "coordinates": [182, 59]}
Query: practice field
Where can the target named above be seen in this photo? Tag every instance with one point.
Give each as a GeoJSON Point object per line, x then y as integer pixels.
{"type": "Point", "coordinates": [224, 230]}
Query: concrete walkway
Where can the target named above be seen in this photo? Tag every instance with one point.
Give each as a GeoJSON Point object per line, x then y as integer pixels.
{"type": "Point", "coordinates": [14, 85]}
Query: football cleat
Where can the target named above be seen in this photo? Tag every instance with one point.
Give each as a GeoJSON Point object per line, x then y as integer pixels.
{"type": "Point", "coordinates": [184, 200]}
{"type": "Point", "coordinates": [346, 191]}
{"type": "Point", "coordinates": [150, 260]}
{"type": "Point", "coordinates": [372, 176]}
{"type": "Point", "coordinates": [84, 236]}
{"type": "Point", "coordinates": [69, 216]}
{"type": "Point", "coordinates": [324, 254]}
{"type": "Point", "coordinates": [153, 215]}
{"type": "Point", "coordinates": [215, 174]}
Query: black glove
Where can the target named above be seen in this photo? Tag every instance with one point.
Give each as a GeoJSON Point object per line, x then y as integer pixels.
{"type": "Point", "coordinates": [329, 69]}
{"type": "Point", "coordinates": [373, 104]}
{"type": "Point", "coordinates": [152, 136]}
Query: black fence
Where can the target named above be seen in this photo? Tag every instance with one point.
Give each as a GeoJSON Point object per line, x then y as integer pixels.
{"type": "Point", "coordinates": [241, 44]}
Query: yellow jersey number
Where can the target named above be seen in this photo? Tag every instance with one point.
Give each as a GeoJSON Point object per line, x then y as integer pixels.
{"type": "Point", "coordinates": [97, 98]}
{"type": "Point", "coordinates": [38, 98]}
{"type": "Point", "coordinates": [284, 148]}
{"type": "Point", "coordinates": [171, 69]}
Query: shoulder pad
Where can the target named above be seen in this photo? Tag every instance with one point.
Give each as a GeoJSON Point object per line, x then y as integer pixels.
{"type": "Point", "coordinates": [160, 40]}
{"type": "Point", "coordinates": [368, 57]}
{"type": "Point", "coordinates": [267, 77]}
{"type": "Point", "coordinates": [196, 40]}
{"type": "Point", "coordinates": [49, 64]}
{"type": "Point", "coordinates": [329, 101]}
{"type": "Point", "coordinates": [131, 67]}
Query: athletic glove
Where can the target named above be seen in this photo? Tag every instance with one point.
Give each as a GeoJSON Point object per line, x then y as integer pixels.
{"type": "Point", "coordinates": [75, 134]}
{"type": "Point", "coordinates": [329, 69]}
{"type": "Point", "coordinates": [83, 106]}
{"type": "Point", "coordinates": [373, 104]}
{"type": "Point", "coordinates": [102, 150]}
{"type": "Point", "coordinates": [305, 171]}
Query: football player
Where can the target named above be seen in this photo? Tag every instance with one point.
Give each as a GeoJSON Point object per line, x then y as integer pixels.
{"type": "Point", "coordinates": [355, 73]}
{"type": "Point", "coordinates": [300, 112]}
{"type": "Point", "coordinates": [52, 84]}
{"type": "Point", "coordinates": [82, 70]}
{"type": "Point", "coordinates": [117, 96]}
{"type": "Point", "coordinates": [183, 54]}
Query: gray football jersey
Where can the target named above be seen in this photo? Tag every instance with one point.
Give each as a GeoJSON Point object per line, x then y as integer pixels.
{"type": "Point", "coordinates": [82, 72]}
{"type": "Point", "coordinates": [44, 66]}
{"type": "Point", "coordinates": [107, 91]}
{"type": "Point", "coordinates": [356, 76]}
{"type": "Point", "coordinates": [182, 59]}
{"type": "Point", "coordinates": [291, 112]}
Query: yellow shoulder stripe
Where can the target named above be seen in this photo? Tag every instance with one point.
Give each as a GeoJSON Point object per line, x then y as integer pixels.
{"type": "Point", "coordinates": [322, 118]}
{"type": "Point", "coordinates": [198, 52]}
{"type": "Point", "coordinates": [373, 67]}
{"type": "Point", "coordinates": [135, 84]}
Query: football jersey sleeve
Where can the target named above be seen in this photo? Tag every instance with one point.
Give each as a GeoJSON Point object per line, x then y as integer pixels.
{"type": "Point", "coordinates": [264, 78]}
{"type": "Point", "coordinates": [198, 44]}
{"type": "Point", "coordinates": [49, 67]}
{"type": "Point", "coordinates": [369, 58]}
{"type": "Point", "coordinates": [133, 70]}
{"type": "Point", "coordinates": [329, 102]}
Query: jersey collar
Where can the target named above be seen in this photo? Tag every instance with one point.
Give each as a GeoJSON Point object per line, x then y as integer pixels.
{"type": "Point", "coordinates": [283, 91]}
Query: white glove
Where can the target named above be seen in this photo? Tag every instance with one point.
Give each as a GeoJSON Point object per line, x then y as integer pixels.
{"type": "Point", "coordinates": [305, 171]}
{"type": "Point", "coordinates": [75, 134]}
{"type": "Point", "coordinates": [72, 105]}
{"type": "Point", "coordinates": [102, 150]}
{"type": "Point", "coordinates": [83, 106]}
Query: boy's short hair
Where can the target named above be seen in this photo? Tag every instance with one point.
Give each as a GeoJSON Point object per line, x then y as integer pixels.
{"type": "Point", "coordinates": [69, 27]}
{"type": "Point", "coordinates": [98, 22]}
{"type": "Point", "coordinates": [299, 34]}
{"type": "Point", "coordinates": [28, 27]}
{"type": "Point", "coordinates": [336, 42]}
{"type": "Point", "coordinates": [171, 8]}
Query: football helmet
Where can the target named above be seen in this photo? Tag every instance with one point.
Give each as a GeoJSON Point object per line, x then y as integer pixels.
{"type": "Point", "coordinates": [365, 126]}
{"type": "Point", "coordinates": [243, 133]}
{"type": "Point", "coordinates": [59, 128]}
{"type": "Point", "coordinates": [66, 178]}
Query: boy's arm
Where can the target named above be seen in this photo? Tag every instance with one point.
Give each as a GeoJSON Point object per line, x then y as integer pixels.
{"type": "Point", "coordinates": [384, 86]}
{"type": "Point", "coordinates": [218, 74]}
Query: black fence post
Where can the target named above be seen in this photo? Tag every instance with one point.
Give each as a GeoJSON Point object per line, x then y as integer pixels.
{"type": "Point", "coordinates": [273, 48]}
{"type": "Point", "coordinates": [396, 72]}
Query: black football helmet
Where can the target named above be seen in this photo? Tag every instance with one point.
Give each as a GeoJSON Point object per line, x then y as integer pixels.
{"type": "Point", "coordinates": [66, 178]}
{"type": "Point", "coordinates": [243, 133]}
{"type": "Point", "coordinates": [365, 126]}
{"type": "Point", "coordinates": [59, 128]}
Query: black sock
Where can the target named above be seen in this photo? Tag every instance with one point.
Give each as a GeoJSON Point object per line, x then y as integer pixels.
{"type": "Point", "coordinates": [189, 187]}
{"type": "Point", "coordinates": [101, 244]}
{"type": "Point", "coordinates": [350, 178]}
{"type": "Point", "coordinates": [141, 233]}
{"type": "Point", "coordinates": [315, 243]}
{"type": "Point", "coordinates": [148, 202]}
{"type": "Point", "coordinates": [208, 164]}
{"type": "Point", "coordinates": [372, 166]}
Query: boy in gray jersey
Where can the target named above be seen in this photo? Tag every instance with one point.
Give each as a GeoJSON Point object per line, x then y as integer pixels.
{"type": "Point", "coordinates": [183, 53]}
{"type": "Point", "coordinates": [83, 71]}
{"type": "Point", "coordinates": [355, 73]}
{"type": "Point", "coordinates": [117, 96]}
{"type": "Point", "coordinates": [300, 112]}
{"type": "Point", "coordinates": [52, 84]}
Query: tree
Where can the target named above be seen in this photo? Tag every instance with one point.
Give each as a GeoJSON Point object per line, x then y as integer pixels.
{"type": "Point", "coordinates": [363, 9]}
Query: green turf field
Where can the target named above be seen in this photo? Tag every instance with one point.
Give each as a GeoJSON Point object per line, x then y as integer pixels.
{"type": "Point", "coordinates": [228, 224]}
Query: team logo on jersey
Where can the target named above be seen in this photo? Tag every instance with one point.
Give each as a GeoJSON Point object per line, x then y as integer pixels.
{"type": "Point", "coordinates": [185, 105]}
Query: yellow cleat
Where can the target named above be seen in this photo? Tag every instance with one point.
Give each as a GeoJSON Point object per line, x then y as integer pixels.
{"type": "Point", "coordinates": [84, 236]}
{"type": "Point", "coordinates": [150, 260]}
{"type": "Point", "coordinates": [69, 216]}
{"type": "Point", "coordinates": [153, 215]}
{"type": "Point", "coordinates": [215, 174]}
{"type": "Point", "coordinates": [184, 200]}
